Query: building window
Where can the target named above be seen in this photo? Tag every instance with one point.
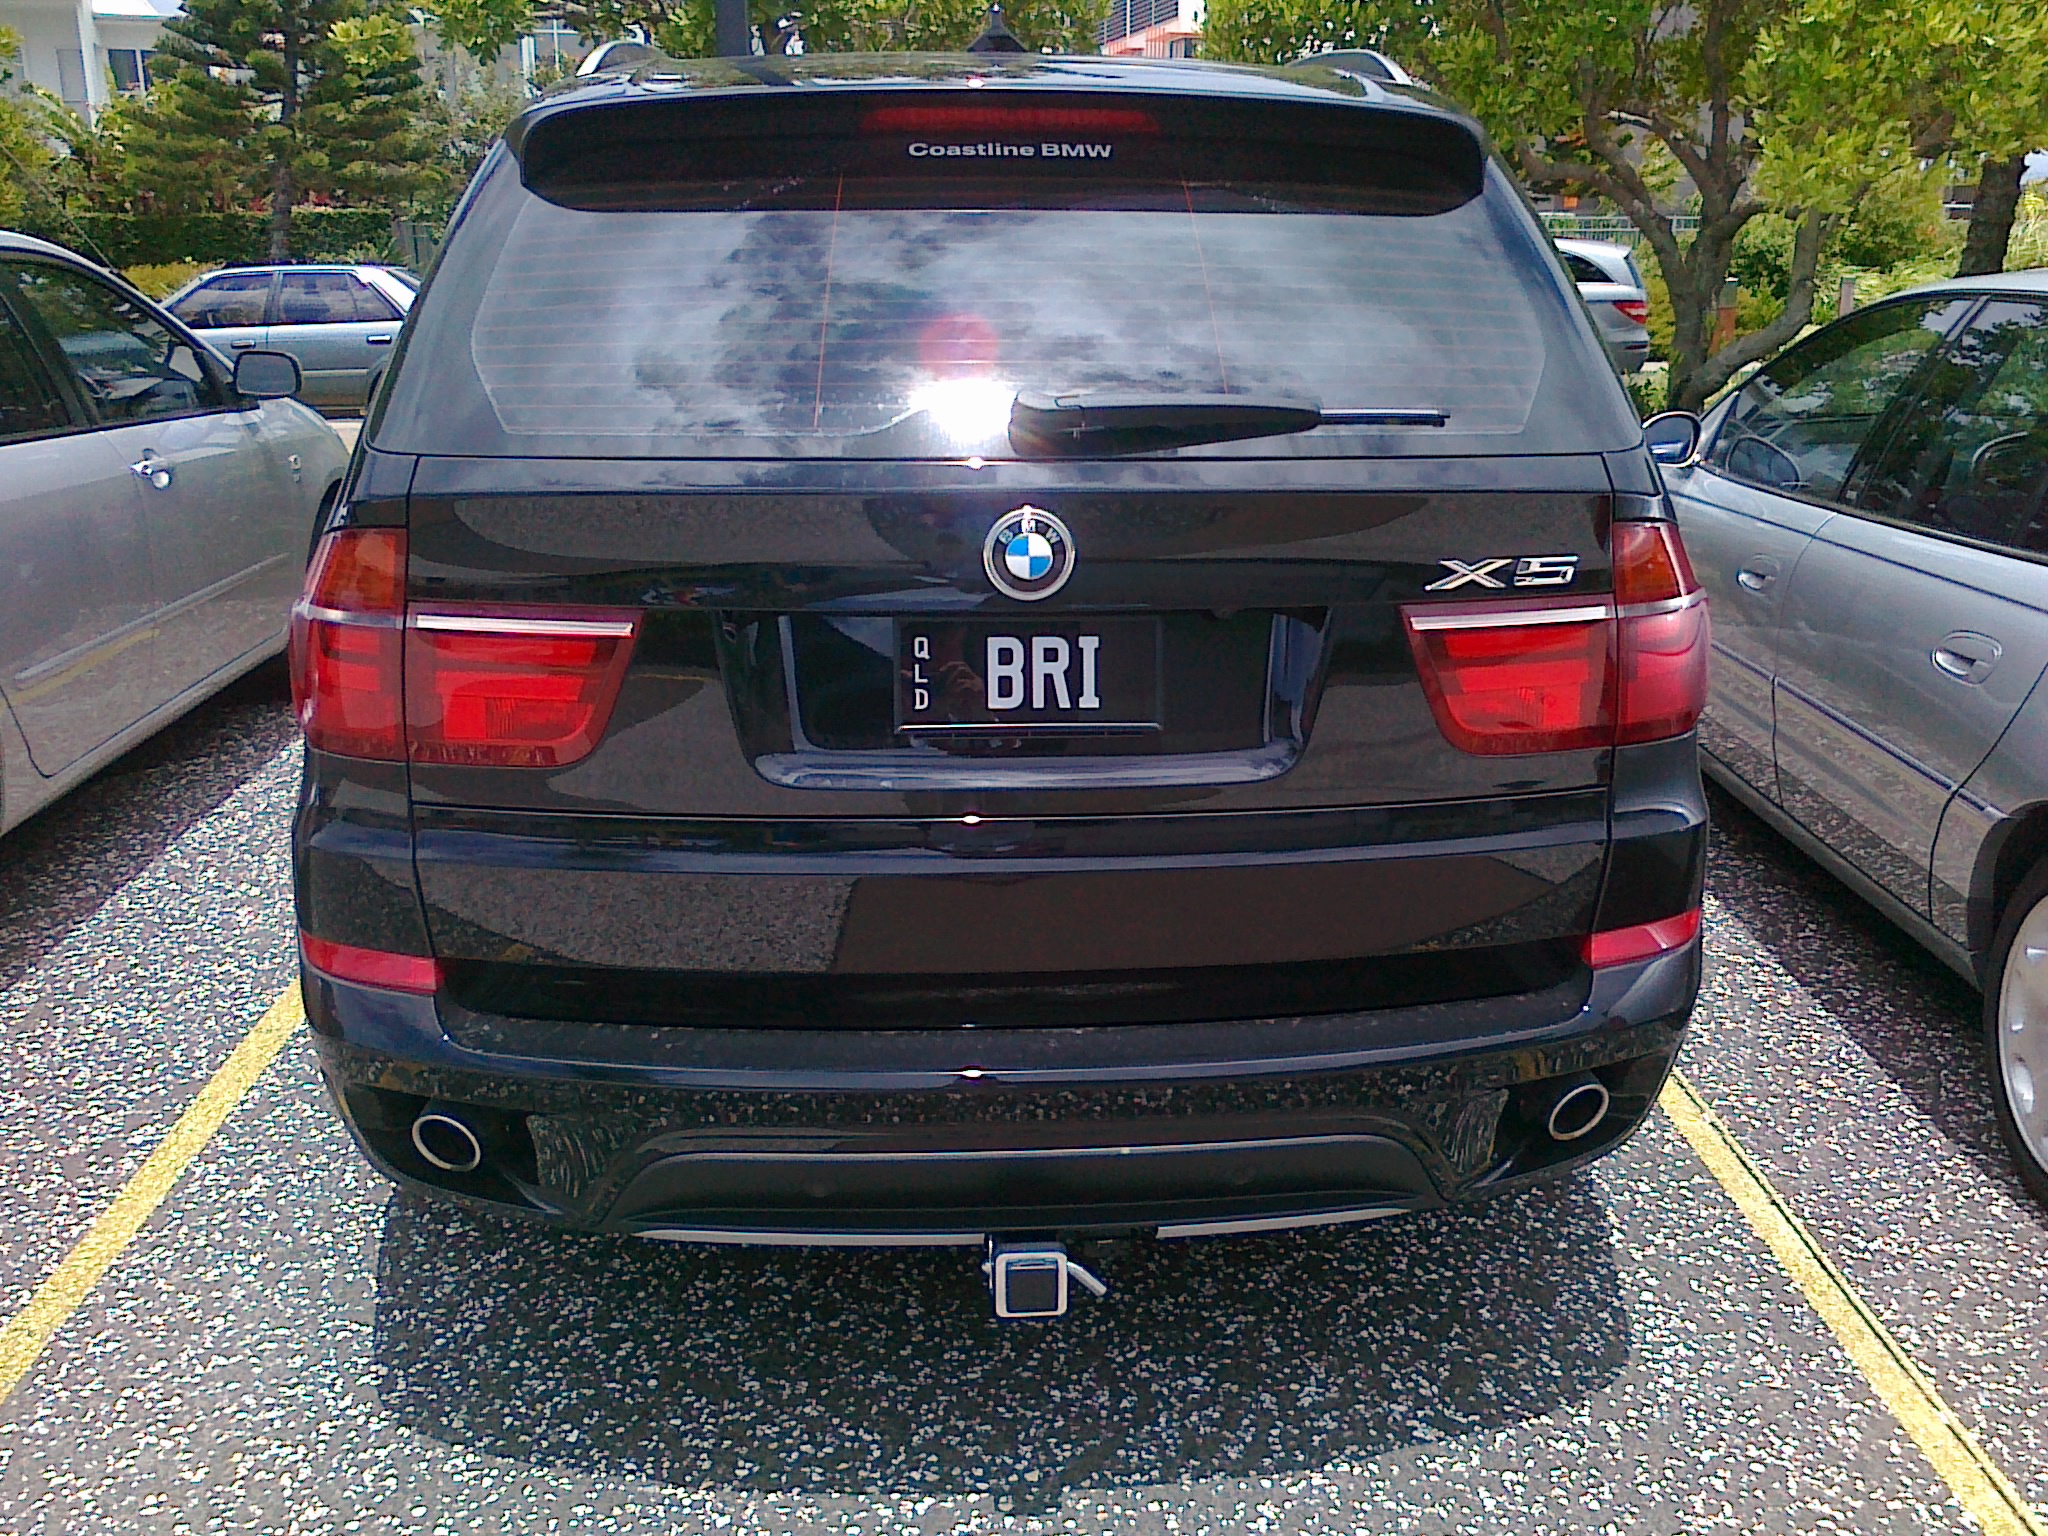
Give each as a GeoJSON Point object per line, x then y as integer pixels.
{"type": "Point", "coordinates": [130, 67]}
{"type": "Point", "coordinates": [555, 44]}
{"type": "Point", "coordinates": [1128, 16]}
{"type": "Point", "coordinates": [71, 77]}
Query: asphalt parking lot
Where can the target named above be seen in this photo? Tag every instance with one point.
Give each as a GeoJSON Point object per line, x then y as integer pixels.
{"type": "Point", "coordinates": [288, 1345]}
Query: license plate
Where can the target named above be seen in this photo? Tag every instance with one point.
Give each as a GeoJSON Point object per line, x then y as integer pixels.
{"type": "Point", "coordinates": [1053, 676]}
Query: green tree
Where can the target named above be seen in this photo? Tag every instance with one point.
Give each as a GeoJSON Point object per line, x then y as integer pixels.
{"type": "Point", "coordinates": [367, 133]}
{"type": "Point", "coordinates": [27, 163]}
{"type": "Point", "coordinates": [1977, 81]}
{"type": "Point", "coordinates": [683, 28]}
{"type": "Point", "coordinates": [193, 148]}
{"type": "Point", "coordinates": [481, 28]}
{"type": "Point", "coordinates": [279, 98]}
{"type": "Point", "coordinates": [462, 128]}
{"type": "Point", "coordinates": [1765, 105]}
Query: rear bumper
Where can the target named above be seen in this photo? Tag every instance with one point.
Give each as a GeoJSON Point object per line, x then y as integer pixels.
{"type": "Point", "coordinates": [942, 1135]}
{"type": "Point", "coordinates": [1630, 354]}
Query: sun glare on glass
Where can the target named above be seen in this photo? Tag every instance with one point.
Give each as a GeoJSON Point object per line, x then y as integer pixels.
{"type": "Point", "coordinates": [966, 410]}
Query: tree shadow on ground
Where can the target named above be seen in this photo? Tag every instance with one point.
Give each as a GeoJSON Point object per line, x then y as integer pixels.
{"type": "Point", "coordinates": [1911, 1015]}
{"type": "Point", "coordinates": [858, 1371]}
{"type": "Point", "coordinates": [61, 865]}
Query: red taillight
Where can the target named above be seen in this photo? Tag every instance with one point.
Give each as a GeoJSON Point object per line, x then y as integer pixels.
{"type": "Point", "coordinates": [1663, 681]}
{"type": "Point", "coordinates": [346, 644]}
{"type": "Point", "coordinates": [1551, 675]}
{"type": "Point", "coordinates": [1623, 946]}
{"type": "Point", "coordinates": [515, 691]}
{"type": "Point", "coordinates": [1524, 678]}
{"type": "Point", "coordinates": [1637, 310]}
{"type": "Point", "coordinates": [1008, 119]}
{"type": "Point", "coordinates": [499, 689]}
{"type": "Point", "coordinates": [371, 967]}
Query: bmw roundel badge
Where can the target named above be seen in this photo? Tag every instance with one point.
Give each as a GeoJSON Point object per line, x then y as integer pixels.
{"type": "Point", "coordinates": [1028, 554]}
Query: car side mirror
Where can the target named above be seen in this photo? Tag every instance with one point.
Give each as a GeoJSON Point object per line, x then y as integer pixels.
{"type": "Point", "coordinates": [266, 375]}
{"type": "Point", "coordinates": [1673, 438]}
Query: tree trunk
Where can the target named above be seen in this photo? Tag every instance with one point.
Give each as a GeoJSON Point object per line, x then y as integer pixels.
{"type": "Point", "coordinates": [280, 210]}
{"type": "Point", "coordinates": [1698, 369]}
{"type": "Point", "coordinates": [1695, 293]}
{"type": "Point", "coordinates": [281, 192]}
{"type": "Point", "coordinates": [1991, 216]}
{"type": "Point", "coordinates": [731, 31]}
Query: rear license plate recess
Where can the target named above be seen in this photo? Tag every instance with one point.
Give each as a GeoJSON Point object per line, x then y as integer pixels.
{"type": "Point", "coordinates": [1050, 676]}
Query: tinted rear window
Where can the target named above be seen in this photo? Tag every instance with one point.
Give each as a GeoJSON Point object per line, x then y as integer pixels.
{"type": "Point", "coordinates": [893, 309]}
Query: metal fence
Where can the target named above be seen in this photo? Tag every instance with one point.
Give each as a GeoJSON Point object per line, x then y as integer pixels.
{"type": "Point", "coordinates": [1611, 227]}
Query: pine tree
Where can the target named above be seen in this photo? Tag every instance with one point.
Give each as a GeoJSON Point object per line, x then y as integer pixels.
{"type": "Point", "coordinates": [192, 147]}
{"type": "Point", "coordinates": [366, 134]}
{"type": "Point", "coordinates": [277, 98]}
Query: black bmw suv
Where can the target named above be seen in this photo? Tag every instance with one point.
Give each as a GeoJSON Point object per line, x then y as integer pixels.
{"type": "Point", "coordinates": [924, 648]}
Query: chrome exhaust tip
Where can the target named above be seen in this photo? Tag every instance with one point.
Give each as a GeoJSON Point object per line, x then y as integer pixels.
{"type": "Point", "coordinates": [1579, 1108]}
{"type": "Point", "coordinates": [444, 1138]}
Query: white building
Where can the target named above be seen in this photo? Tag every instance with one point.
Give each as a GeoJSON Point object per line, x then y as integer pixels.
{"type": "Point", "coordinates": [83, 51]}
{"type": "Point", "coordinates": [1148, 29]}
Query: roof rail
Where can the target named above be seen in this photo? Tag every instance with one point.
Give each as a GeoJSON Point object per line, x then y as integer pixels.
{"type": "Point", "coordinates": [620, 53]}
{"type": "Point", "coordinates": [1366, 63]}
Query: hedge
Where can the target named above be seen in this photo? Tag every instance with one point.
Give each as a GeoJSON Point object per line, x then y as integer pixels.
{"type": "Point", "coordinates": [132, 239]}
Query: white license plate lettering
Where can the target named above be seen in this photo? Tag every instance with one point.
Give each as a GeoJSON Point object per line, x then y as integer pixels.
{"type": "Point", "coordinates": [1043, 672]}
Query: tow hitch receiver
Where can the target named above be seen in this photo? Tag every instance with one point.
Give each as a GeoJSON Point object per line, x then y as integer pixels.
{"type": "Point", "coordinates": [1029, 1278]}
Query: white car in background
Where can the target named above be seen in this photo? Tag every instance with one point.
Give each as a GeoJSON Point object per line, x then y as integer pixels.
{"type": "Point", "coordinates": [1612, 285]}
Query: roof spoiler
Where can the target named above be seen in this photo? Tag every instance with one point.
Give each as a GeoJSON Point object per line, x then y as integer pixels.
{"type": "Point", "coordinates": [676, 126]}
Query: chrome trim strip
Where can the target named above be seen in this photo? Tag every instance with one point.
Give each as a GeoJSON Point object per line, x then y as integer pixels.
{"type": "Point", "coordinates": [1006, 1154]}
{"type": "Point", "coordinates": [1035, 727]}
{"type": "Point", "coordinates": [305, 610]}
{"type": "Point", "coordinates": [739, 1237]}
{"type": "Point", "coordinates": [490, 624]}
{"type": "Point", "coordinates": [1677, 604]}
{"type": "Point", "coordinates": [1513, 618]}
{"type": "Point", "coordinates": [932, 769]}
{"type": "Point", "coordinates": [1281, 1223]}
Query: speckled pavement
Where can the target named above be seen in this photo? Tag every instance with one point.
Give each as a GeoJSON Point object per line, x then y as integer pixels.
{"type": "Point", "coordinates": [289, 1346]}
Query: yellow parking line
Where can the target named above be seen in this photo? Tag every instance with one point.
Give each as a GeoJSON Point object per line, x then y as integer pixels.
{"type": "Point", "coordinates": [1979, 1486]}
{"type": "Point", "coordinates": [1984, 1492]}
{"type": "Point", "coordinates": [22, 1340]}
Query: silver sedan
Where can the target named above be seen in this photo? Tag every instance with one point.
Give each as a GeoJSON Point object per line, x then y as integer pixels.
{"type": "Point", "coordinates": [155, 512]}
{"type": "Point", "coordinates": [340, 322]}
{"type": "Point", "coordinates": [1870, 516]}
{"type": "Point", "coordinates": [1612, 285]}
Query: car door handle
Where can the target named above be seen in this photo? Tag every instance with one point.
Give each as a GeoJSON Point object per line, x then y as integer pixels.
{"type": "Point", "coordinates": [153, 469]}
{"type": "Point", "coordinates": [1966, 656]}
{"type": "Point", "coordinates": [1761, 571]}
{"type": "Point", "coordinates": [240, 346]}
{"type": "Point", "coordinates": [383, 340]}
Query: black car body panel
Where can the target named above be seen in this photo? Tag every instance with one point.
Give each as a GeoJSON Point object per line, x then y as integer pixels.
{"type": "Point", "coordinates": [773, 954]}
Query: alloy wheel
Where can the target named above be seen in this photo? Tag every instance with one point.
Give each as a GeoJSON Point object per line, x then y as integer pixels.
{"type": "Point", "coordinates": [2023, 1032]}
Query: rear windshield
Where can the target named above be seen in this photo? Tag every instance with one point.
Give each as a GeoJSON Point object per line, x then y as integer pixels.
{"type": "Point", "coordinates": [839, 315]}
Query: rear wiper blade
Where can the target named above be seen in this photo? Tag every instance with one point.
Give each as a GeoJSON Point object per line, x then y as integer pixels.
{"type": "Point", "coordinates": [1135, 423]}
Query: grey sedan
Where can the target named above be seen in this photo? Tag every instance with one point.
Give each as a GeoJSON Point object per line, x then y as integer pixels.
{"type": "Point", "coordinates": [155, 512]}
{"type": "Point", "coordinates": [340, 322]}
{"type": "Point", "coordinates": [1868, 516]}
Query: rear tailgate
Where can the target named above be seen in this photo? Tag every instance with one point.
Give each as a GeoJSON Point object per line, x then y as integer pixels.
{"type": "Point", "coordinates": [768, 438]}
